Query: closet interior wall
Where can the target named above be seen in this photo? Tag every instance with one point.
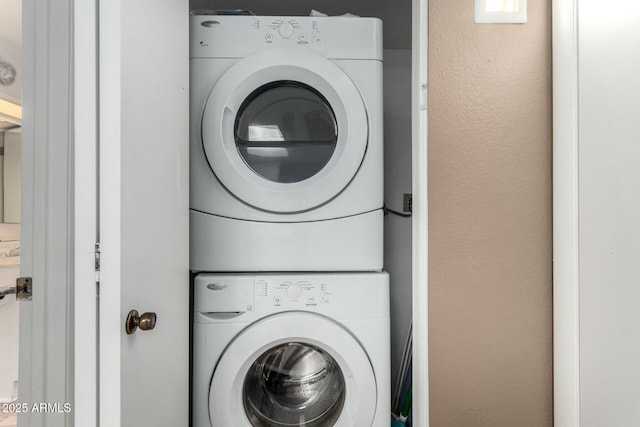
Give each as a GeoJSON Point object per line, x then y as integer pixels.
{"type": "Point", "coordinates": [396, 17]}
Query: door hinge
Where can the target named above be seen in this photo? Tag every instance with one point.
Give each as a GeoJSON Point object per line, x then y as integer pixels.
{"type": "Point", "coordinates": [24, 288]}
{"type": "Point", "coordinates": [97, 261]}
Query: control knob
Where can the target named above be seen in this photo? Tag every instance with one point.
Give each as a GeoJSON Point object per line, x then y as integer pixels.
{"type": "Point", "coordinates": [294, 292]}
{"type": "Point", "coordinates": [285, 30]}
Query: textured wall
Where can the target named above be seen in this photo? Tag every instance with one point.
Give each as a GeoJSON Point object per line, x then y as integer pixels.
{"type": "Point", "coordinates": [490, 218]}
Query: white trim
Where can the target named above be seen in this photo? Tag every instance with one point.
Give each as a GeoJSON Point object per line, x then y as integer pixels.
{"type": "Point", "coordinates": [30, 354]}
{"type": "Point", "coordinates": [46, 322]}
{"type": "Point", "coordinates": [85, 127]}
{"type": "Point", "coordinates": [109, 123]}
{"type": "Point", "coordinates": [566, 280]}
{"type": "Point", "coordinates": [420, 219]}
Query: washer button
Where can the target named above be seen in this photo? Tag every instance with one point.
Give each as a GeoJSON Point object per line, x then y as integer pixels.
{"type": "Point", "coordinates": [311, 299]}
{"type": "Point", "coordinates": [268, 37]}
{"type": "Point", "coordinates": [277, 300]}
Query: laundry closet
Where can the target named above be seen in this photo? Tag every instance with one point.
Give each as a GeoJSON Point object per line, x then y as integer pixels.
{"type": "Point", "coordinates": [346, 259]}
{"type": "Point", "coordinates": [128, 108]}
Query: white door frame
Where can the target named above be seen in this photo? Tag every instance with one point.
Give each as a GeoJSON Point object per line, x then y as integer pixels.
{"type": "Point", "coordinates": [46, 335]}
{"type": "Point", "coordinates": [566, 279]}
{"type": "Point", "coordinates": [86, 355]}
{"type": "Point", "coordinates": [108, 53]}
{"type": "Point", "coordinates": [420, 218]}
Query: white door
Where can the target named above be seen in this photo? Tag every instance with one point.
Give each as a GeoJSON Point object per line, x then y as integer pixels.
{"type": "Point", "coordinates": [285, 130]}
{"type": "Point", "coordinates": [609, 209]}
{"type": "Point", "coordinates": [596, 211]}
{"type": "Point", "coordinates": [143, 212]}
{"type": "Point", "coordinates": [317, 375]}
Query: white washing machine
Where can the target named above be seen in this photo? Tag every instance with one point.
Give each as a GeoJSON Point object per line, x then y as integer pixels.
{"type": "Point", "coordinates": [279, 350]}
{"type": "Point", "coordinates": [286, 144]}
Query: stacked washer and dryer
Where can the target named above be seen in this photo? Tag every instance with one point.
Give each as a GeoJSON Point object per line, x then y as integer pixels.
{"type": "Point", "coordinates": [291, 307]}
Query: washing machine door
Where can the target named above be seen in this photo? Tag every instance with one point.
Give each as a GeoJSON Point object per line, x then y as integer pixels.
{"type": "Point", "coordinates": [293, 369]}
{"type": "Point", "coordinates": [285, 130]}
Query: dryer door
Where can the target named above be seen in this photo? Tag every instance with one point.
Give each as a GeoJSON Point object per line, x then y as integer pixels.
{"type": "Point", "coordinates": [285, 130]}
{"type": "Point", "coordinates": [294, 368]}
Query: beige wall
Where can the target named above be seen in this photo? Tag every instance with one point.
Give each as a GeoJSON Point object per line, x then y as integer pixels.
{"type": "Point", "coordinates": [490, 218]}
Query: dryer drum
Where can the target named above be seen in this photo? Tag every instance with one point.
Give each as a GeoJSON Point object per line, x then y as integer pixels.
{"type": "Point", "coordinates": [294, 384]}
{"type": "Point", "coordinates": [286, 131]}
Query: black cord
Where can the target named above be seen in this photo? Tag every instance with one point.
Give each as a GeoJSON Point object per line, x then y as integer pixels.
{"type": "Point", "coordinates": [391, 211]}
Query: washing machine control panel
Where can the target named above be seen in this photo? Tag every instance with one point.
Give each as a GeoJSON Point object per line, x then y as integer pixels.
{"type": "Point", "coordinates": [296, 32]}
{"type": "Point", "coordinates": [244, 298]}
{"type": "Point", "coordinates": [293, 294]}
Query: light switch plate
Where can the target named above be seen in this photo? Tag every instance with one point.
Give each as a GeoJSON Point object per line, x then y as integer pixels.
{"type": "Point", "coordinates": [500, 11]}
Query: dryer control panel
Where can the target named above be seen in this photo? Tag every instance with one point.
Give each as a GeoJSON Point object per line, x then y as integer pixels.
{"type": "Point", "coordinates": [285, 32]}
{"type": "Point", "coordinates": [220, 36]}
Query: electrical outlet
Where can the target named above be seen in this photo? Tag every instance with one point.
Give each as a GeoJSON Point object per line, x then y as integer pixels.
{"type": "Point", "coordinates": [407, 203]}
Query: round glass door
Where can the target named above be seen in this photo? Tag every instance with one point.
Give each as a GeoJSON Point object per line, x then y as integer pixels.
{"type": "Point", "coordinates": [294, 384]}
{"type": "Point", "coordinates": [286, 131]}
{"type": "Point", "coordinates": [293, 369]}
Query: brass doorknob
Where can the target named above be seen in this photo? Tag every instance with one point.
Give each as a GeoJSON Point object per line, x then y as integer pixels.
{"type": "Point", "coordinates": [145, 322]}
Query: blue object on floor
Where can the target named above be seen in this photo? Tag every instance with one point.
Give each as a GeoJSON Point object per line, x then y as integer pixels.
{"type": "Point", "coordinates": [406, 409]}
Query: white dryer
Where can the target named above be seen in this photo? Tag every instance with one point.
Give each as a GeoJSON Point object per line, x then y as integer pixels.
{"type": "Point", "coordinates": [286, 144]}
{"type": "Point", "coordinates": [277, 350]}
